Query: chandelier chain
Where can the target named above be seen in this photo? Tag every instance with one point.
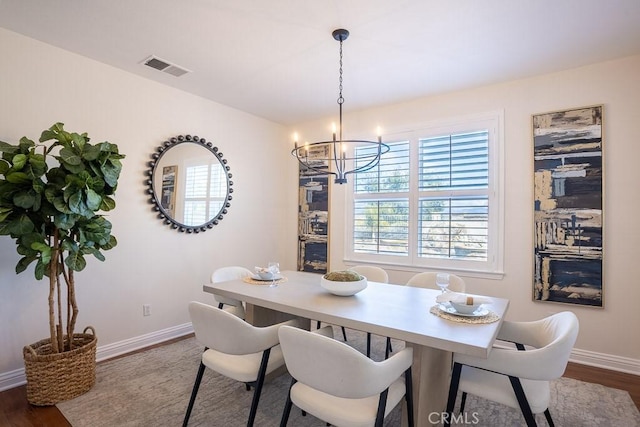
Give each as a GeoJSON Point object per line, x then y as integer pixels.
{"type": "Point", "coordinates": [340, 98]}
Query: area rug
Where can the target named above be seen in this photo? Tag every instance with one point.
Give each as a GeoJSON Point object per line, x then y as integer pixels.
{"type": "Point", "coordinates": [152, 389]}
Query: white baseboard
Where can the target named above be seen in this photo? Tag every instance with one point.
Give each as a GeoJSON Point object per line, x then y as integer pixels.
{"type": "Point", "coordinates": [127, 346]}
{"type": "Point", "coordinates": [606, 361]}
{"type": "Point", "coordinates": [17, 377]}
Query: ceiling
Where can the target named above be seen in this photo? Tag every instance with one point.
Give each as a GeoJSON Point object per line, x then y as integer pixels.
{"type": "Point", "coordinates": [277, 59]}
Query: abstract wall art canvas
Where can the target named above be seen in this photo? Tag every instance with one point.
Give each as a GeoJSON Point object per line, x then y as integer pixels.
{"type": "Point", "coordinates": [313, 214]}
{"type": "Point", "coordinates": [568, 205]}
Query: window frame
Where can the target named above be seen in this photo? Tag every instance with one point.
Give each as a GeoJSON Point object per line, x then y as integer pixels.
{"type": "Point", "coordinates": [493, 267]}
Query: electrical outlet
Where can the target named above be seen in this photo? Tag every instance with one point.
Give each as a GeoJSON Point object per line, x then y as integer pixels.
{"type": "Point", "coordinates": [146, 309]}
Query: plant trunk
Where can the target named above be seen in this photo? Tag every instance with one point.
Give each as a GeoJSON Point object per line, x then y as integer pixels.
{"type": "Point", "coordinates": [53, 278]}
{"type": "Point", "coordinates": [73, 306]}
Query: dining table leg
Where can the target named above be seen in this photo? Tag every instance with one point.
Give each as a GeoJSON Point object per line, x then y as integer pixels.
{"type": "Point", "coordinates": [261, 316]}
{"type": "Point", "coordinates": [431, 372]}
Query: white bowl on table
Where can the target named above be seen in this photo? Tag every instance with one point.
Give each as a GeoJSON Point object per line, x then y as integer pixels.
{"type": "Point", "coordinates": [463, 308]}
{"type": "Point", "coordinates": [343, 288]}
{"type": "Point", "coordinates": [266, 275]}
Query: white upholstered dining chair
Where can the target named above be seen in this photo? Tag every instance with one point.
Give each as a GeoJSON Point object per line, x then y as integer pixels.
{"type": "Point", "coordinates": [235, 349]}
{"type": "Point", "coordinates": [427, 279]}
{"type": "Point", "coordinates": [341, 386]}
{"type": "Point", "coordinates": [518, 376]}
{"type": "Point", "coordinates": [230, 273]}
{"type": "Point", "coordinates": [375, 274]}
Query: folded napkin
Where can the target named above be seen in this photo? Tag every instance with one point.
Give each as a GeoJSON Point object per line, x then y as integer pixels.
{"type": "Point", "coordinates": [461, 298]}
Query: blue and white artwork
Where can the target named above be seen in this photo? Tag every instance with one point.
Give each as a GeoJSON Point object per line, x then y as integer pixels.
{"type": "Point", "coordinates": [568, 206]}
{"type": "Point", "coordinates": [313, 214]}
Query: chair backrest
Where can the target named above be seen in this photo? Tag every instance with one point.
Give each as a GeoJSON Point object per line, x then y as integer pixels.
{"type": "Point", "coordinates": [222, 331]}
{"type": "Point", "coordinates": [229, 273]}
{"type": "Point", "coordinates": [428, 280]}
{"type": "Point", "coordinates": [336, 368]}
{"type": "Point", "coordinates": [556, 336]}
{"type": "Point", "coordinates": [373, 273]}
{"type": "Point", "coordinates": [548, 342]}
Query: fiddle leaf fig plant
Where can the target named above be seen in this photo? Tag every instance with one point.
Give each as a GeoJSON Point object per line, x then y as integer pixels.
{"type": "Point", "coordinates": [50, 196]}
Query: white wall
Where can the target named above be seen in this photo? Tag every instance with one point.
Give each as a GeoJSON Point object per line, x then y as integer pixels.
{"type": "Point", "coordinates": [40, 85]}
{"type": "Point", "coordinates": [608, 336]}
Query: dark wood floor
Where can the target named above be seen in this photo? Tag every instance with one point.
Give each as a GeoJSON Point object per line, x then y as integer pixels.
{"type": "Point", "coordinates": [15, 411]}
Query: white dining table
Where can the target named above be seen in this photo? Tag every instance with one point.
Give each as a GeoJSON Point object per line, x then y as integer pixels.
{"type": "Point", "coordinates": [400, 312]}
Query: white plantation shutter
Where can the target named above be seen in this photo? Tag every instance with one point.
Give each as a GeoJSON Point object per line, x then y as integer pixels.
{"type": "Point", "coordinates": [205, 189]}
{"type": "Point", "coordinates": [381, 224]}
{"type": "Point", "coordinates": [455, 226]}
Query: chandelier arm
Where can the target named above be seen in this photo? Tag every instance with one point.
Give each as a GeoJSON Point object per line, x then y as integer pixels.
{"type": "Point", "coordinates": [317, 171]}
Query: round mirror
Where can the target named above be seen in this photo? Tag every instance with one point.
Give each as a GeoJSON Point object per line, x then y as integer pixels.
{"type": "Point", "coordinates": [189, 184]}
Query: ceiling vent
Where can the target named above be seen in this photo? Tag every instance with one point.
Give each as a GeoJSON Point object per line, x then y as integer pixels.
{"type": "Point", "coordinates": [164, 66]}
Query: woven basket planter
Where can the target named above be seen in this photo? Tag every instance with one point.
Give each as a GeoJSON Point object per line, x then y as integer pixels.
{"type": "Point", "coordinates": [55, 377]}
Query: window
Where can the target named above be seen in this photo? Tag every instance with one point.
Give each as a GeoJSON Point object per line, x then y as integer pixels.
{"type": "Point", "coordinates": [433, 201]}
{"type": "Point", "coordinates": [205, 192]}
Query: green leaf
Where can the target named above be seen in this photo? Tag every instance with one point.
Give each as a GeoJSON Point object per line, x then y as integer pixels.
{"type": "Point", "coordinates": [48, 135]}
{"type": "Point", "coordinates": [75, 261]}
{"type": "Point", "coordinates": [96, 253]}
{"type": "Point", "coordinates": [78, 140]}
{"type": "Point", "coordinates": [40, 269]}
{"type": "Point", "coordinates": [21, 225]}
{"type": "Point", "coordinates": [4, 166]}
{"type": "Point", "coordinates": [60, 205]}
{"type": "Point", "coordinates": [24, 263]}
{"type": "Point", "coordinates": [17, 178]}
{"type": "Point", "coordinates": [107, 204]}
{"type": "Point", "coordinates": [110, 173]}
{"type": "Point", "coordinates": [90, 152]}
{"type": "Point", "coordinates": [19, 160]}
{"type": "Point", "coordinates": [45, 252]}
{"type": "Point", "coordinates": [4, 214]}
{"type": "Point", "coordinates": [65, 221]}
{"type": "Point", "coordinates": [25, 199]}
{"type": "Point", "coordinates": [57, 176]}
{"type": "Point", "coordinates": [76, 204]}
{"type": "Point", "coordinates": [8, 148]}
{"type": "Point", "coordinates": [94, 200]}
{"type": "Point", "coordinates": [70, 157]}
{"type": "Point", "coordinates": [112, 243]}
{"type": "Point", "coordinates": [38, 164]}
{"type": "Point", "coordinates": [25, 145]}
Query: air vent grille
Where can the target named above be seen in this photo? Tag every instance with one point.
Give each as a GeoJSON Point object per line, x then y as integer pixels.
{"type": "Point", "coordinates": [164, 66]}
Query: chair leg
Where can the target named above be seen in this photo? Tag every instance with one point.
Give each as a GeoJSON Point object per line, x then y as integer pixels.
{"type": "Point", "coordinates": [408, 395]}
{"type": "Point", "coordinates": [463, 401]}
{"type": "Point", "coordinates": [318, 325]}
{"type": "Point", "coordinates": [388, 349]}
{"type": "Point", "coordinates": [453, 392]}
{"type": "Point", "coordinates": [194, 392]}
{"type": "Point", "coordinates": [522, 401]}
{"type": "Point", "coordinates": [287, 406]}
{"type": "Point", "coordinates": [344, 334]}
{"type": "Point", "coordinates": [547, 415]}
{"type": "Point", "coordinates": [259, 382]}
{"type": "Point", "coordinates": [382, 405]}
{"type": "Point", "coordinates": [368, 344]}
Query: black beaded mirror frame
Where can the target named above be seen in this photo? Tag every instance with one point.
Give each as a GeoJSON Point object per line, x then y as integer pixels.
{"type": "Point", "coordinates": [151, 191]}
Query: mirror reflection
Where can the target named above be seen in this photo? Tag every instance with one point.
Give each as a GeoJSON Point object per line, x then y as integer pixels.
{"type": "Point", "coordinates": [189, 184]}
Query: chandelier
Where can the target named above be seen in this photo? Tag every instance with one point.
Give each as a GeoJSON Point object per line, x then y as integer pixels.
{"type": "Point", "coordinates": [317, 156]}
